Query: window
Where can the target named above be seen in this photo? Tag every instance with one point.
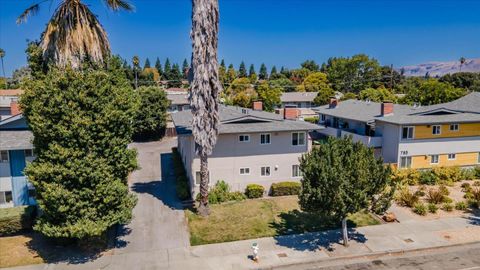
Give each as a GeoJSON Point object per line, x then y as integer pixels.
{"type": "Point", "coordinates": [3, 156]}
{"type": "Point", "coordinates": [265, 138]}
{"type": "Point", "coordinates": [454, 127]}
{"type": "Point", "coordinates": [197, 177]}
{"type": "Point", "coordinates": [265, 171]}
{"type": "Point", "coordinates": [452, 156]}
{"type": "Point", "coordinates": [436, 130]}
{"type": "Point", "coordinates": [323, 117]}
{"type": "Point", "coordinates": [434, 159]}
{"type": "Point", "coordinates": [296, 172]}
{"type": "Point", "coordinates": [244, 138]}
{"type": "Point", "coordinates": [5, 197]}
{"type": "Point", "coordinates": [405, 162]}
{"type": "Point", "coordinates": [28, 152]}
{"type": "Point", "coordinates": [407, 133]}
{"type": "Point", "coordinates": [244, 171]}
{"type": "Point", "coordinates": [298, 138]}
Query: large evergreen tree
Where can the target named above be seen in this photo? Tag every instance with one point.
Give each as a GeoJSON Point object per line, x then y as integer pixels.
{"type": "Point", "coordinates": [263, 73]}
{"type": "Point", "coordinates": [167, 70]}
{"type": "Point", "coordinates": [273, 72]}
{"type": "Point", "coordinates": [147, 64]}
{"type": "Point", "coordinates": [185, 68]}
{"type": "Point", "coordinates": [82, 124]}
{"type": "Point", "coordinates": [158, 66]}
{"type": "Point", "coordinates": [341, 177]}
{"type": "Point", "coordinates": [251, 71]}
{"type": "Point", "coordinates": [151, 119]}
{"type": "Point", "coordinates": [242, 70]}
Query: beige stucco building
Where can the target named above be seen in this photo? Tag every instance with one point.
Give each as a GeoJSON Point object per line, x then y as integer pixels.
{"type": "Point", "coordinates": [252, 147]}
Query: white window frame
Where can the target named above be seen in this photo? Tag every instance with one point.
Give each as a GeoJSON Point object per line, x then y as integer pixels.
{"type": "Point", "coordinates": [245, 169]}
{"type": "Point", "coordinates": [195, 180]}
{"type": "Point", "coordinates": [478, 158]}
{"type": "Point", "coordinates": [269, 138]}
{"type": "Point", "coordinates": [432, 159]}
{"type": "Point", "coordinates": [269, 171]}
{"type": "Point", "coordinates": [296, 168]}
{"type": "Point", "coordinates": [3, 196]}
{"type": "Point", "coordinates": [408, 132]}
{"type": "Point", "coordinates": [298, 140]}
{"type": "Point", "coordinates": [439, 129]}
{"type": "Point", "coordinates": [452, 156]}
{"type": "Point", "coordinates": [245, 136]}
{"type": "Point", "coordinates": [455, 129]}
{"type": "Point", "coordinates": [409, 164]}
{"type": "Point", "coordinates": [28, 153]}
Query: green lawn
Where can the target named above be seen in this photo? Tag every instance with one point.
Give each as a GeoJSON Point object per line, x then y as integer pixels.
{"type": "Point", "coordinates": [260, 218]}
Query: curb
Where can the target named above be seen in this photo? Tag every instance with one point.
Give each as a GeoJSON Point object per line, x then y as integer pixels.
{"type": "Point", "coordinates": [372, 255]}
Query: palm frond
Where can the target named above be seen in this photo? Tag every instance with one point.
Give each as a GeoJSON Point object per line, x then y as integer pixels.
{"type": "Point", "coordinates": [30, 11]}
{"type": "Point", "coordinates": [119, 4]}
{"type": "Point", "coordinates": [74, 34]}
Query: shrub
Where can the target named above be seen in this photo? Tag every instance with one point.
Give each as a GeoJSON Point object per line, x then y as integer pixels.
{"type": "Point", "coordinates": [419, 193]}
{"type": "Point", "coordinates": [420, 209]}
{"type": "Point", "coordinates": [254, 191]}
{"type": "Point", "coordinates": [448, 207]}
{"type": "Point", "coordinates": [236, 196]}
{"type": "Point", "coordinates": [448, 175]}
{"type": "Point", "coordinates": [221, 193]}
{"type": "Point", "coordinates": [461, 206]}
{"type": "Point", "coordinates": [151, 118]}
{"type": "Point", "coordinates": [443, 190]}
{"type": "Point", "coordinates": [477, 172]}
{"type": "Point", "coordinates": [432, 208]}
{"type": "Point", "coordinates": [466, 187]}
{"type": "Point", "coordinates": [407, 176]}
{"type": "Point", "coordinates": [434, 196]}
{"type": "Point", "coordinates": [428, 178]}
{"type": "Point", "coordinates": [468, 174]}
{"type": "Point", "coordinates": [447, 199]}
{"type": "Point", "coordinates": [313, 120]}
{"type": "Point", "coordinates": [473, 204]}
{"type": "Point", "coordinates": [406, 198]}
{"type": "Point", "coordinates": [476, 195]}
{"type": "Point", "coordinates": [285, 188]}
{"type": "Point", "coordinates": [16, 219]}
{"type": "Point", "coordinates": [476, 183]}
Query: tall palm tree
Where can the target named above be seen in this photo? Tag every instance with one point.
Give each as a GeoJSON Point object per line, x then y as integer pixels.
{"type": "Point", "coordinates": [74, 32]}
{"type": "Point", "coordinates": [2, 55]}
{"type": "Point", "coordinates": [204, 87]}
{"type": "Point", "coordinates": [462, 61]}
{"type": "Point", "coordinates": [136, 64]}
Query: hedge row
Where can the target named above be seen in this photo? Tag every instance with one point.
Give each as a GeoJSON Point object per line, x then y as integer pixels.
{"type": "Point", "coordinates": [285, 188]}
{"type": "Point", "coordinates": [182, 186]}
{"type": "Point", "coordinates": [437, 175]}
{"type": "Point", "coordinates": [16, 219]}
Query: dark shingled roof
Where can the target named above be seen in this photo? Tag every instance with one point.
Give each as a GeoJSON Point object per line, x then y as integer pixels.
{"type": "Point", "coordinates": [14, 134]}
{"type": "Point", "coordinates": [241, 120]}
{"type": "Point", "coordinates": [464, 109]}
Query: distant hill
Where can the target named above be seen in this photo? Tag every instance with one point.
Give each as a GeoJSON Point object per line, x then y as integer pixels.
{"type": "Point", "coordinates": [441, 68]}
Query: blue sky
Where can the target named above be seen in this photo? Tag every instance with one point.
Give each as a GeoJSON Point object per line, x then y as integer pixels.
{"type": "Point", "coordinates": [277, 32]}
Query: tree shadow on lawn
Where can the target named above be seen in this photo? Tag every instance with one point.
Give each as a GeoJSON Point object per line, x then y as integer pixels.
{"type": "Point", "coordinates": [310, 231]}
{"type": "Point", "coordinates": [54, 251]}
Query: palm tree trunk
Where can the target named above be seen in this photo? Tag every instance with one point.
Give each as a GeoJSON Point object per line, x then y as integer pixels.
{"type": "Point", "coordinates": [203, 208]}
{"type": "Point", "coordinates": [204, 87]}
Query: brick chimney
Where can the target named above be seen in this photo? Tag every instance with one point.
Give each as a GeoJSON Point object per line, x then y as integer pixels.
{"type": "Point", "coordinates": [290, 113]}
{"type": "Point", "coordinates": [258, 106]}
{"type": "Point", "coordinates": [387, 108]}
{"type": "Point", "coordinates": [333, 102]}
{"type": "Point", "coordinates": [14, 108]}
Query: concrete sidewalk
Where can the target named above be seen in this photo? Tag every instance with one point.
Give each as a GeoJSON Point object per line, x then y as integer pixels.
{"type": "Point", "coordinates": [293, 249]}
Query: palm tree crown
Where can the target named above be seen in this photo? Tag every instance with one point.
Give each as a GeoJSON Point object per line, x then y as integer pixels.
{"type": "Point", "coordinates": [74, 32]}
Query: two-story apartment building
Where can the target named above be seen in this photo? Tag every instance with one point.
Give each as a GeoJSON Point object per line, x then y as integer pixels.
{"type": "Point", "coordinates": [417, 136]}
{"type": "Point", "coordinates": [16, 150]}
{"type": "Point", "coordinates": [252, 147]}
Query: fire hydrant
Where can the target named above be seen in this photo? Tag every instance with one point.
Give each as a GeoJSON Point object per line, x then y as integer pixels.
{"type": "Point", "coordinates": [255, 252]}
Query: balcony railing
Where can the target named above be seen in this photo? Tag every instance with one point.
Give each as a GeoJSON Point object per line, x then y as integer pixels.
{"type": "Point", "coordinates": [367, 140]}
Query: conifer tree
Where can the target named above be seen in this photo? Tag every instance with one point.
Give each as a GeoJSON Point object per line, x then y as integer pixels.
{"type": "Point", "coordinates": [167, 70]}
{"type": "Point", "coordinates": [158, 66]}
{"type": "Point", "coordinates": [185, 69]}
{"type": "Point", "coordinates": [147, 64]}
{"type": "Point", "coordinates": [251, 71]}
{"type": "Point", "coordinates": [273, 72]}
{"type": "Point", "coordinates": [263, 73]}
{"type": "Point", "coordinates": [231, 74]}
{"type": "Point", "coordinates": [242, 71]}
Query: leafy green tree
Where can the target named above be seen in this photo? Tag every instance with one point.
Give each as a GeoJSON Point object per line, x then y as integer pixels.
{"type": "Point", "coordinates": [467, 80]}
{"type": "Point", "coordinates": [310, 65]}
{"type": "Point", "coordinates": [241, 93]}
{"type": "Point", "coordinates": [263, 73]}
{"type": "Point", "coordinates": [81, 122]}
{"type": "Point", "coordinates": [432, 92]}
{"type": "Point", "coordinates": [175, 76]}
{"type": "Point", "coordinates": [136, 67]}
{"type": "Point", "coordinates": [377, 95]}
{"type": "Point", "coordinates": [317, 82]}
{"type": "Point", "coordinates": [389, 78]}
{"type": "Point", "coordinates": [231, 74]}
{"type": "Point", "coordinates": [349, 95]}
{"type": "Point", "coordinates": [147, 64]}
{"type": "Point", "coordinates": [298, 75]}
{"type": "Point", "coordinates": [285, 72]}
{"type": "Point", "coordinates": [242, 71]}
{"type": "Point", "coordinates": [352, 74]}
{"type": "Point", "coordinates": [283, 83]}
{"type": "Point", "coordinates": [167, 70]}
{"type": "Point", "coordinates": [185, 68]}
{"type": "Point", "coordinates": [151, 119]}
{"type": "Point", "coordinates": [341, 178]}
{"type": "Point", "coordinates": [158, 66]}
{"type": "Point", "coordinates": [222, 73]}
{"type": "Point", "coordinates": [270, 96]}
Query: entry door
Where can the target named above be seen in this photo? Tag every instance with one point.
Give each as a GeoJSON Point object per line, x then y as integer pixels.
{"type": "Point", "coordinates": [19, 182]}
